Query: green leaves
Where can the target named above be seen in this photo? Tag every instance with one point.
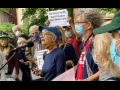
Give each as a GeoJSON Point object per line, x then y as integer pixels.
{"type": "Point", "coordinates": [7, 9]}
{"type": "Point", "coordinates": [6, 27]}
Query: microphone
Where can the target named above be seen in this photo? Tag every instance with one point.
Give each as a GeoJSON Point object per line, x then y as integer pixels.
{"type": "Point", "coordinates": [29, 44]}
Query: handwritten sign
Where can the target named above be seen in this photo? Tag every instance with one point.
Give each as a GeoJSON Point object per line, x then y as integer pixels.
{"type": "Point", "coordinates": [40, 58]}
{"type": "Point", "coordinates": [69, 75]}
{"type": "Point", "coordinates": [58, 17]}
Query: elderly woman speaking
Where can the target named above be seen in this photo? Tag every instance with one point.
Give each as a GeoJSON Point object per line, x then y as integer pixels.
{"type": "Point", "coordinates": [54, 62]}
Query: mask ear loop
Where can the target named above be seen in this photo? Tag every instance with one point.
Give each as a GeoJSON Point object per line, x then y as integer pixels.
{"type": "Point", "coordinates": [118, 46]}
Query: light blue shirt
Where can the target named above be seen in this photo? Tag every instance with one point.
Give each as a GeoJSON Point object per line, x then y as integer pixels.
{"type": "Point", "coordinates": [38, 45]}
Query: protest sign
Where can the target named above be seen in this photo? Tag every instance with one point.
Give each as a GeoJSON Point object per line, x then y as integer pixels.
{"type": "Point", "coordinates": [58, 17]}
{"type": "Point", "coordinates": [69, 75]}
{"type": "Point", "coordinates": [40, 58]}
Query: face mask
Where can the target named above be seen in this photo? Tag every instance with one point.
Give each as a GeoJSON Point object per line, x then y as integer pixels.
{"type": "Point", "coordinates": [48, 46]}
{"type": "Point", "coordinates": [18, 33]}
{"type": "Point", "coordinates": [4, 43]}
{"type": "Point", "coordinates": [113, 51]}
{"type": "Point", "coordinates": [79, 29]}
{"type": "Point", "coordinates": [21, 46]}
{"type": "Point", "coordinates": [36, 36]}
{"type": "Point", "coordinates": [68, 34]}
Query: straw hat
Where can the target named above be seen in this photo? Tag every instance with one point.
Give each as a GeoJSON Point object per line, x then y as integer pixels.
{"type": "Point", "coordinates": [109, 15]}
{"type": "Point", "coordinates": [115, 24]}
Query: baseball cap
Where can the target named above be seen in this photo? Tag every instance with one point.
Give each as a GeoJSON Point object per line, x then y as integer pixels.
{"type": "Point", "coordinates": [115, 24]}
{"type": "Point", "coordinates": [52, 29]}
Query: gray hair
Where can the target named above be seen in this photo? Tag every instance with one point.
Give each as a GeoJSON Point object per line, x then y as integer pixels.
{"type": "Point", "coordinates": [34, 26]}
{"type": "Point", "coordinates": [15, 26]}
{"type": "Point", "coordinates": [53, 35]}
{"type": "Point", "coordinates": [21, 39]}
{"type": "Point", "coordinates": [45, 30]}
{"type": "Point", "coordinates": [91, 15]}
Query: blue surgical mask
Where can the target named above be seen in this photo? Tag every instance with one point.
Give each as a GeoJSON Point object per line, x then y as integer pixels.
{"type": "Point", "coordinates": [79, 29]}
{"type": "Point", "coordinates": [113, 51]}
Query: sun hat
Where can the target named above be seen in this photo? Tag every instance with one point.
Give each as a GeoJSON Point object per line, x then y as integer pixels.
{"type": "Point", "coordinates": [115, 24]}
{"type": "Point", "coordinates": [67, 26]}
{"type": "Point", "coordinates": [3, 34]}
{"type": "Point", "coordinates": [109, 15]}
{"type": "Point", "coordinates": [52, 29]}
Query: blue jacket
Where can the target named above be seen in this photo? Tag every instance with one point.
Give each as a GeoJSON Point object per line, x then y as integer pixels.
{"type": "Point", "coordinates": [91, 63]}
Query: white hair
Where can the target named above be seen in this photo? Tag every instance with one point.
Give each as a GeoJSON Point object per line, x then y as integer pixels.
{"type": "Point", "coordinates": [15, 26]}
{"type": "Point", "coordinates": [91, 15]}
{"type": "Point", "coordinates": [45, 30]}
{"type": "Point", "coordinates": [34, 26]}
{"type": "Point", "coordinates": [21, 39]}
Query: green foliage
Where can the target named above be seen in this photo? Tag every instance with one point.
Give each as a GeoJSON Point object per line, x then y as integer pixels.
{"type": "Point", "coordinates": [7, 9]}
{"type": "Point", "coordinates": [24, 29]}
{"type": "Point", "coordinates": [105, 10]}
{"type": "Point", "coordinates": [41, 15]}
{"type": "Point", "coordinates": [6, 27]}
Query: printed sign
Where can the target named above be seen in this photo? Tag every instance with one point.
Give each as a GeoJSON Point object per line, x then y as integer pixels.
{"type": "Point", "coordinates": [58, 17]}
{"type": "Point", "coordinates": [40, 58]}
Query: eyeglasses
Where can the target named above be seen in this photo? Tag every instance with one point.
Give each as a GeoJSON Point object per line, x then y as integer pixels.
{"type": "Point", "coordinates": [77, 23]}
{"type": "Point", "coordinates": [43, 35]}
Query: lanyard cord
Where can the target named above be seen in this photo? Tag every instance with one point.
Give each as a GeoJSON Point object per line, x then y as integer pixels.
{"type": "Point", "coordinates": [85, 43]}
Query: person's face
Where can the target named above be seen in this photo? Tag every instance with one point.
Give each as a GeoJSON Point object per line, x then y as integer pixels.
{"type": "Point", "coordinates": [21, 43]}
{"type": "Point", "coordinates": [3, 39]}
{"type": "Point", "coordinates": [69, 29]}
{"type": "Point", "coordinates": [34, 31]}
{"type": "Point", "coordinates": [16, 29]}
{"type": "Point", "coordinates": [46, 37]}
{"type": "Point", "coordinates": [80, 20]}
{"type": "Point", "coordinates": [115, 34]}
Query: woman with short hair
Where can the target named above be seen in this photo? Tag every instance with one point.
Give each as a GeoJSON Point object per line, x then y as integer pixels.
{"type": "Point", "coordinates": [55, 59]}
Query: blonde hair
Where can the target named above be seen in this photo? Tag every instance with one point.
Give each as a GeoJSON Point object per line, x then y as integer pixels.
{"type": "Point", "coordinates": [21, 39]}
{"type": "Point", "coordinates": [102, 47]}
{"type": "Point", "coordinates": [64, 38]}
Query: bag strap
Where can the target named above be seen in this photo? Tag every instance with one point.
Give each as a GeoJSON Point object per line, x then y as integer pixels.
{"type": "Point", "coordinates": [44, 55]}
{"type": "Point", "coordinates": [89, 71]}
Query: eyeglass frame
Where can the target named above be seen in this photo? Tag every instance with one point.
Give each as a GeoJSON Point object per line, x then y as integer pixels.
{"type": "Point", "coordinates": [45, 34]}
{"type": "Point", "coordinates": [77, 23]}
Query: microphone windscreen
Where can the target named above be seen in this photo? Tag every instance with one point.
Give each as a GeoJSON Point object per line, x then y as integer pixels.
{"type": "Point", "coordinates": [30, 44]}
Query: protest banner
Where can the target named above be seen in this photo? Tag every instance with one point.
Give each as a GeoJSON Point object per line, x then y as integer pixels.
{"type": "Point", "coordinates": [58, 17]}
{"type": "Point", "coordinates": [69, 75]}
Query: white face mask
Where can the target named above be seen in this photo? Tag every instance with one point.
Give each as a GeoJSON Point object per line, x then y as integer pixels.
{"type": "Point", "coordinates": [18, 33]}
{"type": "Point", "coordinates": [68, 34]}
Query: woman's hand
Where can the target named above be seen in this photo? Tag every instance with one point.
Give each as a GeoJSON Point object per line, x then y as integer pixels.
{"type": "Point", "coordinates": [47, 22]}
{"type": "Point", "coordinates": [21, 61]}
{"type": "Point", "coordinates": [27, 63]}
{"type": "Point", "coordinates": [15, 76]}
{"type": "Point", "coordinates": [33, 72]}
{"type": "Point", "coordinates": [69, 19]}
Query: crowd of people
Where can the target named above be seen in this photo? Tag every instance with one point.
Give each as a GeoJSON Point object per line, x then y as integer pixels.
{"type": "Point", "coordinates": [91, 44]}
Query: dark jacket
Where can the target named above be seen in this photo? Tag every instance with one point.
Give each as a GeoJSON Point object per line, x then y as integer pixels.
{"type": "Point", "coordinates": [91, 63]}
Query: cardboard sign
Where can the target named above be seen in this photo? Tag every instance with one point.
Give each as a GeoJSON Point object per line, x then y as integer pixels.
{"type": "Point", "coordinates": [58, 17]}
{"type": "Point", "coordinates": [40, 58]}
{"type": "Point", "coordinates": [69, 75]}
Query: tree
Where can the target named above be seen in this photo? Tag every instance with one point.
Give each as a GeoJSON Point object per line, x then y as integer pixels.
{"type": "Point", "coordinates": [41, 15]}
{"type": "Point", "coordinates": [7, 9]}
{"type": "Point", "coordinates": [6, 27]}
